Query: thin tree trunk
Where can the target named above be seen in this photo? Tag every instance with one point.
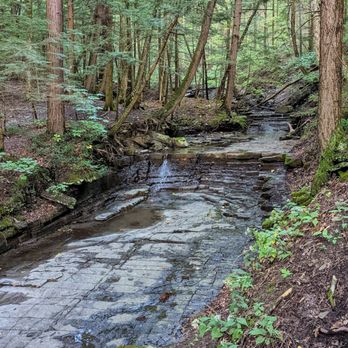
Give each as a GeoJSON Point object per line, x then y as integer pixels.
{"type": "Point", "coordinates": [243, 36]}
{"type": "Point", "coordinates": [176, 99]}
{"type": "Point", "coordinates": [265, 29]}
{"type": "Point", "coordinates": [331, 53]}
{"type": "Point", "coordinates": [107, 84]}
{"type": "Point", "coordinates": [232, 70]}
{"type": "Point", "coordinates": [177, 60]}
{"type": "Point", "coordinates": [124, 66]}
{"type": "Point", "coordinates": [91, 79]}
{"type": "Point", "coordinates": [315, 9]}
{"type": "Point", "coordinates": [141, 82]}
{"type": "Point", "coordinates": [293, 27]}
{"type": "Point", "coordinates": [247, 26]}
{"type": "Point", "coordinates": [205, 75]}
{"type": "Point", "coordinates": [300, 29]}
{"type": "Point", "coordinates": [55, 105]}
{"type": "Point", "coordinates": [273, 23]}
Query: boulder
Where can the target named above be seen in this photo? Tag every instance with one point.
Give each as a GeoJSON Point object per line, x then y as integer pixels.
{"type": "Point", "coordinates": [161, 138]}
{"type": "Point", "coordinates": [60, 198]}
{"type": "Point", "coordinates": [180, 142]}
{"type": "Point", "coordinates": [292, 162]}
{"type": "Point", "coordinates": [284, 109]}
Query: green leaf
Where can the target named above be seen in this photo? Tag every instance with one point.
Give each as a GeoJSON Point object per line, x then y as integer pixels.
{"type": "Point", "coordinates": [260, 340]}
{"type": "Point", "coordinates": [216, 333]}
{"type": "Point", "coordinates": [242, 321]}
{"type": "Point", "coordinates": [257, 332]}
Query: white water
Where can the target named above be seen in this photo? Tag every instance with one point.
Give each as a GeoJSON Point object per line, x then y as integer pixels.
{"type": "Point", "coordinates": [164, 172]}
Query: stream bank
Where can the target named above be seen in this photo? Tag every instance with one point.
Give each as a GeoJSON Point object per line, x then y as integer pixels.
{"type": "Point", "coordinates": [133, 269]}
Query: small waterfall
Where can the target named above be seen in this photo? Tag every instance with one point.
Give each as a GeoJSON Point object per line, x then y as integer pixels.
{"type": "Point", "coordinates": [163, 173]}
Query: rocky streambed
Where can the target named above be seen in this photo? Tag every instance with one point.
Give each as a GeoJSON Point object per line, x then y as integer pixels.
{"type": "Point", "coordinates": [155, 250]}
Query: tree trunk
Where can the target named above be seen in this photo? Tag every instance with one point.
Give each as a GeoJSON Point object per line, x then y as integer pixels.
{"type": "Point", "coordinates": [71, 36]}
{"type": "Point", "coordinates": [315, 9]}
{"type": "Point", "coordinates": [107, 84]}
{"type": "Point", "coordinates": [175, 100]}
{"type": "Point", "coordinates": [233, 56]}
{"type": "Point", "coordinates": [141, 82]}
{"type": "Point", "coordinates": [205, 75]}
{"type": "Point", "coordinates": [177, 61]}
{"type": "Point", "coordinates": [265, 29]}
{"type": "Point", "coordinates": [293, 27]}
{"type": "Point", "coordinates": [55, 105]}
{"type": "Point", "coordinates": [243, 36]}
{"type": "Point", "coordinates": [91, 79]}
{"type": "Point", "coordinates": [331, 52]}
{"type": "Point", "coordinates": [253, 14]}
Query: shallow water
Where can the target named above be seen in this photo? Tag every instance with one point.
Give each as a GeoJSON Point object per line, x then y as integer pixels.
{"type": "Point", "coordinates": [136, 278]}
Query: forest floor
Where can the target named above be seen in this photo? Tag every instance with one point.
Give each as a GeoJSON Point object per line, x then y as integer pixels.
{"type": "Point", "coordinates": [305, 315]}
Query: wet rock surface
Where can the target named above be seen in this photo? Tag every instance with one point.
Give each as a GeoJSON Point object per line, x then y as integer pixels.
{"type": "Point", "coordinates": [136, 278]}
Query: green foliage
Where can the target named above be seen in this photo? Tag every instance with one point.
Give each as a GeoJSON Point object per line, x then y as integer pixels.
{"type": "Point", "coordinates": [87, 130]}
{"type": "Point", "coordinates": [71, 155]}
{"type": "Point", "coordinates": [58, 188]}
{"type": "Point", "coordinates": [83, 101]}
{"type": "Point", "coordinates": [243, 318]}
{"type": "Point", "coordinates": [24, 165]}
{"type": "Point", "coordinates": [235, 120]}
{"type": "Point", "coordinates": [306, 61]}
{"type": "Point", "coordinates": [285, 273]}
{"type": "Point", "coordinates": [271, 242]}
{"type": "Point", "coordinates": [341, 214]}
{"type": "Point", "coordinates": [325, 234]}
{"type": "Point", "coordinates": [341, 218]}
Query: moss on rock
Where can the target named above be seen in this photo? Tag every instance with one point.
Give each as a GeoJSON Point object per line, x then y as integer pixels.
{"type": "Point", "coordinates": [292, 162]}
{"type": "Point", "coordinates": [335, 153]}
{"type": "Point", "coordinates": [302, 197]}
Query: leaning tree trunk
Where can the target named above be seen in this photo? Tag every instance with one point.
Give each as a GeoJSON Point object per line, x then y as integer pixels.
{"type": "Point", "coordinates": [55, 104]}
{"type": "Point", "coordinates": [175, 100]}
{"type": "Point", "coordinates": [141, 81]}
{"type": "Point", "coordinates": [331, 52]}
{"type": "Point", "coordinates": [232, 69]}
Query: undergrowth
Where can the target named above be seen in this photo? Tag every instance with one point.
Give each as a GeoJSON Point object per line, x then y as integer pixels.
{"type": "Point", "coordinates": [71, 156]}
{"type": "Point", "coordinates": [248, 318]}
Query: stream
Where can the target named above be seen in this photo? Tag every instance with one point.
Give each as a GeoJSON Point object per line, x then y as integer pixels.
{"type": "Point", "coordinates": [156, 252]}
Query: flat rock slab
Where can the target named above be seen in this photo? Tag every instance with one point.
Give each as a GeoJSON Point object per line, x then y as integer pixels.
{"type": "Point", "coordinates": [119, 208]}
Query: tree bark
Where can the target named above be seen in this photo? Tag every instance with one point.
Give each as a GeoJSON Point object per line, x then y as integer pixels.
{"type": "Point", "coordinates": [331, 54]}
{"type": "Point", "coordinates": [232, 69]}
{"type": "Point", "coordinates": [55, 104]}
{"type": "Point", "coordinates": [293, 27]}
{"type": "Point", "coordinates": [175, 100]}
{"type": "Point", "coordinates": [315, 12]}
{"type": "Point", "coordinates": [91, 79]}
{"type": "Point", "coordinates": [177, 60]}
{"type": "Point", "coordinates": [71, 36]}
